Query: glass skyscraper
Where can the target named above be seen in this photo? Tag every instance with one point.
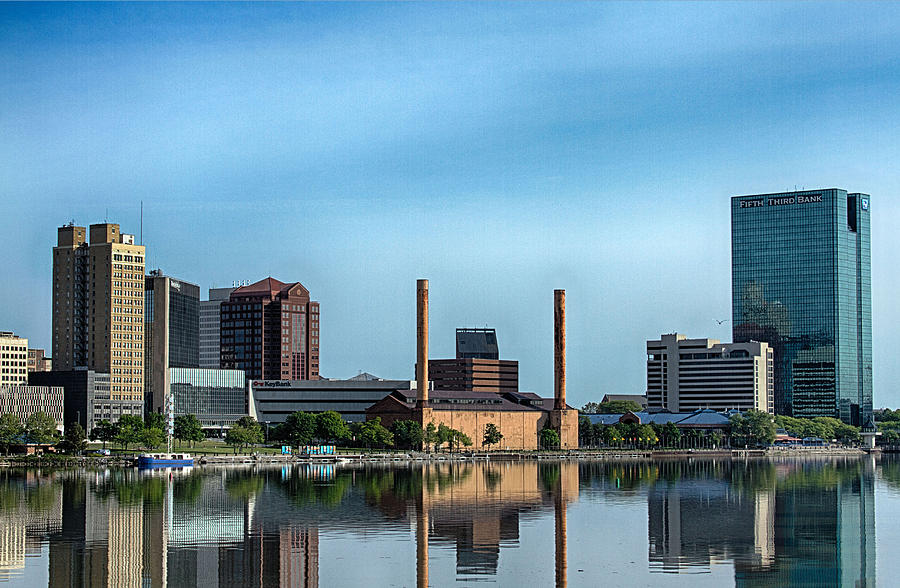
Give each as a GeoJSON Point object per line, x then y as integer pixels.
{"type": "Point", "coordinates": [801, 281]}
{"type": "Point", "coordinates": [171, 333]}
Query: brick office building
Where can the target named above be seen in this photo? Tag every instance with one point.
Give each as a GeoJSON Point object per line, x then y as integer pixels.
{"type": "Point", "coordinates": [477, 366]}
{"type": "Point", "coordinates": [270, 330]}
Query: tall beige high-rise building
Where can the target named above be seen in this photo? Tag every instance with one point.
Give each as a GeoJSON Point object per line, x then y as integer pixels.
{"type": "Point", "coordinates": [98, 307]}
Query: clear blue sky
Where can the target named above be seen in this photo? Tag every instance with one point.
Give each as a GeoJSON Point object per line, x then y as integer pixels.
{"type": "Point", "coordinates": [501, 151]}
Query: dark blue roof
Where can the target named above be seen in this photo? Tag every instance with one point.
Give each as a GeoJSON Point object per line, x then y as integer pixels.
{"type": "Point", "coordinates": [702, 418]}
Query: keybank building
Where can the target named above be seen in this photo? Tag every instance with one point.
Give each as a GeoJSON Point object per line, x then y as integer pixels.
{"type": "Point", "coordinates": [801, 281]}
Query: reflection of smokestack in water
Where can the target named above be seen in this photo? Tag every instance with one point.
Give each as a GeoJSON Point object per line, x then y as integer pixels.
{"type": "Point", "coordinates": [422, 342]}
{"type": "Point", "coordinates": [422, 536]}
{"type": "Point", "coordinates": [559, 349]}
{"type": "Point", "coordinates": [561, 559]}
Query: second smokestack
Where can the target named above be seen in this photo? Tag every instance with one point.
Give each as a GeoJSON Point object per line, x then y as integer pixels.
{"type": "Point", "coordinates": [422, 342]}
{"type": "Point", "coordinates": [559, 349]}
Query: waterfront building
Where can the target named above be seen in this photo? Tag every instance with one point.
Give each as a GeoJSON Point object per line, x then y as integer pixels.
{"type": "Point", "coordinates": [519, 416]}
{"type": "Point", "coordinates": [692, 374]}
{"type": "Point", "coordinates": [699, 420]}
{"type": "Point", "coordinates": [172, 333]}
{"type": "Point", "coordinates": [13, 359]}
{"type": "Point", "coordinates": [217, 398]}
{"type": "Point", "coordinates": [801, 281]}
{"type": "Point", "coordinates": [87, 397]}
{"type": "Point", "coordinates": [23, 401]}
{"type": "Point", "coordinates": [98, 307]}
{"type": "Point", "coordinates": [477, 366]}
{"type": "Point", "coordinates": [274, 400]}
{"type": "Point", "coordinates": [38, 362]}
{"type": "Point", "coordinates": [270, 330]}
{"type": "Point", "coordinates": [209, 327]}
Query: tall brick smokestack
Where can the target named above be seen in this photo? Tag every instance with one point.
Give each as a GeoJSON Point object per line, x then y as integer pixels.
{"type": "Point", "coordinates": [422, 342]}
{"type": "Point", "coordinates": [559, 349]}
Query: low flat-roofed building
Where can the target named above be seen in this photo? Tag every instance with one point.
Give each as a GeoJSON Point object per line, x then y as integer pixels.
{"type": "Point", "coordinates": [24, 401]}
{"type": "Point", "coordinates": [217, 398]}
{"type": "Point", "coordinates": [694, 374]}
{"type": "Point", "coordinates": [698, 419]}
{"type": "Point", "coordinates": [274, 400]}
{"type": "Point", "coordinates": [87, 397]}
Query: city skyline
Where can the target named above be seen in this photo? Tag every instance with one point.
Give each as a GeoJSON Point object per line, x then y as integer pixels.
{"type": "Point", "coordinates": [500, 152]}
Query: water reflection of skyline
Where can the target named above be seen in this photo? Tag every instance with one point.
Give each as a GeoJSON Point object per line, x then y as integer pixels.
{"type": "Point", "coordinates": [799, 523]}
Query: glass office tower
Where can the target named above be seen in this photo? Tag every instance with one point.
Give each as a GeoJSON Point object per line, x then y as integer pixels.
{"type": "Point", "coordinates": [801, 282]}
{"type": "Point", "coordinates": [171, 333]}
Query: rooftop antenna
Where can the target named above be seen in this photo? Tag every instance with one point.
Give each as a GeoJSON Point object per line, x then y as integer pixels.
{"type": "Point", "coordinates": [106, 220]}
{"type": "Point", "coordinates": [142, 222]}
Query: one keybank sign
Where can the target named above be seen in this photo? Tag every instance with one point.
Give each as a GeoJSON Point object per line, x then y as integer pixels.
{"type": "Point", "coordinates": [781, 200]}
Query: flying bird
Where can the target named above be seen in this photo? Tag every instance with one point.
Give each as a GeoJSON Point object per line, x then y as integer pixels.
{"type": "Point", "coordinates": [719, 322]}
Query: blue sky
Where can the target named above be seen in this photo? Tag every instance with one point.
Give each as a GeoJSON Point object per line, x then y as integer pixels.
{"type": "Point", "coordinates": [501, 151]}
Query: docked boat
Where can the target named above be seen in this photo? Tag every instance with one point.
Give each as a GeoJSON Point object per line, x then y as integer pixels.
{"type": "Point", "coordinates": [164, 460]}
{"type": "Point", "coordinates": [169, 459]}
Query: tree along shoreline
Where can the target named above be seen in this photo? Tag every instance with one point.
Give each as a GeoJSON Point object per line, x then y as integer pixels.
{"type": "Point", "coordinates": [68, 462]}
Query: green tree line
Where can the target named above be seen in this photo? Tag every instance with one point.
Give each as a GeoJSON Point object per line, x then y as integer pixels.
{"type": "Point", "coordinates": [39, 427]}
{"type": "Point", "coordinates": [751, 428]}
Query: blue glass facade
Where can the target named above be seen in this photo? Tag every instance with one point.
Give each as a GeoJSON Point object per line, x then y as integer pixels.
{"type": "Point", "coordinates": [801, 282]}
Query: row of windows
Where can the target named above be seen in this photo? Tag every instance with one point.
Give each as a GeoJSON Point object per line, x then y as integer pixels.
{"type": "Point", "coordinates": [126, 345]}
{"type": "Point", "coordinates": [134, 362]}
{"type": "Point", "coordinates": [13, 348]}
{"type": "Point", "coordinates": [125, 396]}
{"type": "Point", "coordinates": [128, 258]}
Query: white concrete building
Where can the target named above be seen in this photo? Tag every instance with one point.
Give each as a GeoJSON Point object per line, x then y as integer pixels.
{"type": "Point", "coordinates": [693, 374]}
{"type": "Point", "coordinates": [23, 401]}
{"type": "Point", "coordinates": [13, 359]}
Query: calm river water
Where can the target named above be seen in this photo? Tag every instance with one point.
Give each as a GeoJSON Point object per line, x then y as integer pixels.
{"type": "Point", "coordinates": [700, 522]}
